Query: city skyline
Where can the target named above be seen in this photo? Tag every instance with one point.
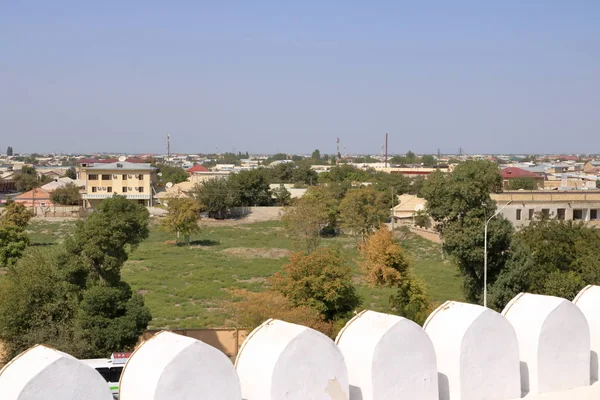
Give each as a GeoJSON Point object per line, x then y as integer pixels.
{"type": "Point", "coordinates": [490, 78]}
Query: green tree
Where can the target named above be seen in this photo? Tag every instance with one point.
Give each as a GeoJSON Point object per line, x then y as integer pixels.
{"type": "Point", "coordinates": [171, 174]}
{"type": "Point", "coordinates": [363, 210]}
{"type": "Point", "coordinates": [250, 188]}
{"type": "Point", "coordinates": [282, 196]}
{"type": "Point", "coordinates": [459, 203]}
{"type": "Point", "coordinates": [384, 264]}
{"type": "Point", "coordinates": [182, 217]}
{"type": "Point", "coordinates": [411, 158]}
{"type": "Point", "coordinates": [67, 195]}
{"type": "Point", "coordinates": [316, 155]}
{"type": "Point", "coordinates": [72, 297]}
{"type": "Point", "coordinates": [309, 217]}
{"type": "Point", "coordinates": [551, 257]}
{"type": "Point", "coordinates": [216, 197]}
{"type": "Point", "coordinates": [36, 307]}
{"type": "Point", "coordinates": [103, 239]}
{"type": "Point", "coordinates": [522, 183]}
{"type": "Point", "coordinates": [428, 160]}
{"type": "Point", "coordinates": [13, 243]}
{"type": "Point", "coordinates": [9, 151]}
{"type": "Point", "coordinates": [28, 179]}
{"type": "Point", "coordinates": [421, 219]}
{"type": "Point", "coordinates": [16, 214]}
{"type": "Point", "coordinates": [303, 174]}
{"type": "Point", "coordinates": [321, 281]}
{"type": "Point", "coordinates": [71, 173]}
{"type": "Point", "coordinates": [387, 183]}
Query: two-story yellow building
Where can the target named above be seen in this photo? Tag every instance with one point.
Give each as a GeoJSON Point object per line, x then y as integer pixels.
{"type": "Point", "coordinates": [102, 180]}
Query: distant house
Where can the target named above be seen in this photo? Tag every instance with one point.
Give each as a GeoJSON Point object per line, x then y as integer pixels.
{"type": "Point", "coordinates": [62, 182]}
{"type": "Point", "coordinates": [511, 173]}
{"type": "Point", "coordinates": [408, 206]}
{"type": "Point", "coordinates": [196, 169]}
{"type": "Point", "coordinates": [592, 166]}
{"type": "Point", "coordinates": [37, 197]}
{"type": "Point", "coordinates": [179, 190]}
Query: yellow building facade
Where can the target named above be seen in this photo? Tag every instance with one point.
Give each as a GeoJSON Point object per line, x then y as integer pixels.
{"type": "Point", "coordinates": [134, 181]}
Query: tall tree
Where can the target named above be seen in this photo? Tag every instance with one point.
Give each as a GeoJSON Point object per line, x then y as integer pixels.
{"type": "Point", "coordinates": [13, 243]}
{"type": "Point", "coordinates": [363, 209]}
{"type": "Point", "coordinates": [250, 188]}
{"type": "Point", "coordinates": [71, 173]}
{"type": "Point", "coordinates": [316, 155]}
{"type": "Point", "coordinates": [72, 297]}
{"type": "Point", "coordinates": [428, 160]}
{"type": "Point", "coordinates": [321, 281]}
{"type": "Point", "coordinates": [309, 217]}
{"type": "Point", "coordinates": [460, 203]}
{"type": "Point", "coordinates": [384, 264]}
{"type": "Point", "coordinates": [216, 197]}
{"type": "Point", "coordinates": [182, 217]}
{"type": "Point", "coordinates": [9, 151]}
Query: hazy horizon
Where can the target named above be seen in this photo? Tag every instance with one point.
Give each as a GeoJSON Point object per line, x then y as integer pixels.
{"type": "Point", "coordinates": [266, 78]}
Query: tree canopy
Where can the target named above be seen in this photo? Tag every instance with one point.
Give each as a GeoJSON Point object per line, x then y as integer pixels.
{"type": "Point", "coordinates": [67, 195]}
{"type": "Point", "coordinates": [28, 179]}
{"type": "Point", "coordinates": [384, 264]}
{"type": "Point", "coordinates": [363, 209]}
{"type": "Point", "coordinates": [71, 296]}
{"type": "Point", "coordinates": [522, 183]}
{"type": "Point", "coordinates": [321, 281]}
{"type": "Point", "coordinates": [460, 203]}
{"type": "Point", "coordinates": [551, 257]}
{"type": "Point", "coordinates": [171, 174]}
{"type": "Point", "coordinates": [182, 217]}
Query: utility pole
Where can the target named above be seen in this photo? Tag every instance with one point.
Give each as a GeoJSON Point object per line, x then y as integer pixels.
{"type": "Point", "coordinates": [485, 251]}
{"type": "Point", "coordinates": [386, 150]}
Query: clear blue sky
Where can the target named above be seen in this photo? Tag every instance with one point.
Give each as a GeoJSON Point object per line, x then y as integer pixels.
{"type": "Point", "coordinates": [291, 76]}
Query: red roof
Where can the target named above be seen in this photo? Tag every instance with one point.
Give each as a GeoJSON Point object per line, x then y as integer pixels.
{"type": "Point", "coordinates": [197, 168]}
{"type": "Point", "coordinates": [513, 172]}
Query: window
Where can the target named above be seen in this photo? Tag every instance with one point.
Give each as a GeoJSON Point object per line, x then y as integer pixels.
{"type": "Point", "coordinates": [109, 189]}
{"type": "Point", "coordinates": [93, 177]}
{"type": "Point", "coordinates": [94, 189]}
{"type": "Point", "coordinates": [577, 215]}
{"type": "Point", "coordinates": [531, 214]}
{"type": "Point", "coordinates": [105, 372]}
{"type": "Point", "coordinates": [115, 374]}
{"type": "Point", "coordinates": [124, 177]}
{"type": "Point", "coordinates": [141, 177]}
{"type": "Point", "coordinates": [594, 215]}
{"type": "Point", "coordinates": [545, 212]}
{"type": "Point", "coordinates": [124, 189]}
{"type": "Point", "coordinates": [106, 177]}
{"type": "Point", "coordinates": [141, 189]}
{"type": "Point", "coordinates": [560, 214]}
{"type": "Point", "coordinates": [518, 214]}
{"type": "Point", "coordinates": [142, 202]}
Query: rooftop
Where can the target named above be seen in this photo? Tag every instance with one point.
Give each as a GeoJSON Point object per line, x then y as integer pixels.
{"type": "Point", "coordinates": [125, 165]}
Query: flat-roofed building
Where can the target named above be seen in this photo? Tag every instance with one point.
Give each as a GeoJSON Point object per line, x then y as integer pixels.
{"type": "Point", "coordinates": [520, 207]}
{"type": "Point", "coordinates": [135, 181]}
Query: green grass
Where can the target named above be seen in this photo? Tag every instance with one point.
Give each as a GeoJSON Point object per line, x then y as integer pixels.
{"type": "Point", "coordinates": [187, 287]}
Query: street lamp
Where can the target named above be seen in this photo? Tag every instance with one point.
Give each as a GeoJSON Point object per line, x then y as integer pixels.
{"type": "Point", "coordinates": [485, 247]}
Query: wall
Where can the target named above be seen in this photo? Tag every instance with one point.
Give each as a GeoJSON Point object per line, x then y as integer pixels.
{"type": "Point", "coordinates": [539, 347]}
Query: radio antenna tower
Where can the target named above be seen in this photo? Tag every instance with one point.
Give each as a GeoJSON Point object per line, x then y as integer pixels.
{"type": "Point", "coordinates": [168, 145]}
{"type": "Point", "coordinates": [339, 155]}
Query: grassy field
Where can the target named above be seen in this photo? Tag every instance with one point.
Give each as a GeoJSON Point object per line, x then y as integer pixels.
{"type": "Point", "coordinates": [187, 287]}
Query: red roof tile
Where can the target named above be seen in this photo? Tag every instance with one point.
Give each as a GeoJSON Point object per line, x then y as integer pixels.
{"type": "Point", "coordinates": [197, 168]}
{"type": "Point", "coordinates": [513, 172]}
